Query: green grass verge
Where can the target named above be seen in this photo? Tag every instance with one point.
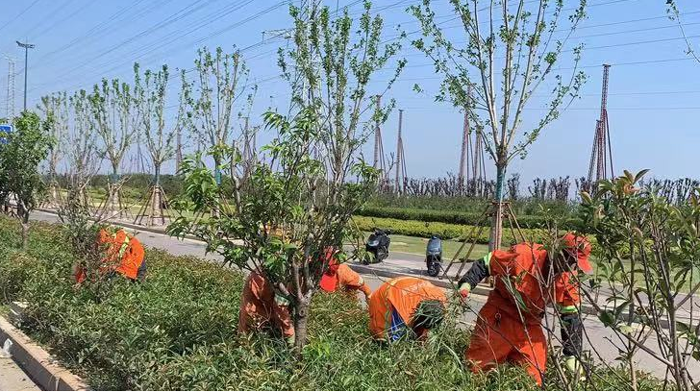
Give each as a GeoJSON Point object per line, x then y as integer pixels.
{"type": "Point", "coordinates": [444, 230]}
{"type": "Point", "coordinates": [455, 217]}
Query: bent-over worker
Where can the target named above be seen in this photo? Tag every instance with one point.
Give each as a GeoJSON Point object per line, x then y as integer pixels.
{"type": "Point", "coordinates": [405, 304]}
{"type": "Point", "coordinates": [262, 307]}
{"type": "Point", "coordinates": [123, 254]}
{"type": "Point", "coordinates": [508, 328]}
{"type": "Point", "coordinates": [340, 276]}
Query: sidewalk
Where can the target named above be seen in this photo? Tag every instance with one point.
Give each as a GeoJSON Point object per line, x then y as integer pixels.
{"type": "Point", "coordinates": [13, 378]}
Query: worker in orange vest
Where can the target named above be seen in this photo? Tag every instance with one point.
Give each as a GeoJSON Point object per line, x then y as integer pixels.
{"type": "Point", "coordinates": [264, 306]}
{"type": "Point", "coordinates": [527, 279]}
{"type": "Point", "coordinates": [405, 306]}
{"type": "Point", "coordinates": [340, 276]}
{"type": "Point", "coordinates": [123, 254]}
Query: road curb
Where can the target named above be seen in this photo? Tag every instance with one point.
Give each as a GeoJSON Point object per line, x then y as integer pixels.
{"type": "Point", "coordinates": [128, 225]}
{"type": "Point", "coordinates": [38, 363]}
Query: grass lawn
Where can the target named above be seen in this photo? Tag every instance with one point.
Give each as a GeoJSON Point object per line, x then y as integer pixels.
{"type": "Point", "coordinates": [417, 245]}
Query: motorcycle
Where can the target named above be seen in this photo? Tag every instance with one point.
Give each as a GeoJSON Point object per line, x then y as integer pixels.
{"type": "Point", "coordinates": [377, 247]}
{"type": "Point", "coordinates": [433, 256]}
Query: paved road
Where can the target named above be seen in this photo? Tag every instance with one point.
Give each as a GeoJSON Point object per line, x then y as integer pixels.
{"type": "Point", "coordinates": [599, 338]}
{"type": "Point", "coordinates": [12, 378]}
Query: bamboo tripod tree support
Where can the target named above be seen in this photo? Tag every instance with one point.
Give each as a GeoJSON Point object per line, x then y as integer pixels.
{"type": "Point", "coordinates": [153, 209]}
{"type": "Point", "coordinates": [475, 233]}
{"type": "Point", "coordinates": [113, 206]}
{"type": "Point", "coordinates": [55, 198]}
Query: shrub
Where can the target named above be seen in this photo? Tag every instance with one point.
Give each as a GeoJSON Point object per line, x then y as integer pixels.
{"type": "Point", "coordinates": [444, 230]}
{"type": "Point", "coordinates": [14, 270]}
{"type": "Point", "coordinates": [455, 217]}
{"type": "Point", "coordinates": [178, 332]}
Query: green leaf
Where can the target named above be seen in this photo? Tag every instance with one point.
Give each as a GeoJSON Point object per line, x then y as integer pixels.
{"type": "Point", "coordinates": [607, 318]}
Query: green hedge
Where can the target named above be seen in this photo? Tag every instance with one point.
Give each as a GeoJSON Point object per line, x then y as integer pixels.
{"type": "Point", "coordinates": [177, 331]}
{"type": "Point", "coordinates": [456, 217]}
{"type": "Point", "coordinates": [444, 230]}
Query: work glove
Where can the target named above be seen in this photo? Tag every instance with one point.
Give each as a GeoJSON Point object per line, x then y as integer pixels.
{"type": "Point", "coordinates": [575, 367]}
{"type": "Point", "coordinates": [464, 290]}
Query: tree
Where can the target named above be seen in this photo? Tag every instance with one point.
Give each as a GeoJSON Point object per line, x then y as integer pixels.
{"type": "Point", "coordinates": [116, 120]}
{"type": "Point", "coordinates": [648, 260]}
{"type": "Point", "coordinates": [221, 83]}
{"type": "Point", "coordinates": [56, 113]}
{"type": "Point", "coordinates": [20, 156]}
{"type": "Point", "coordinates": [302, 191]}
{"type": "Point", "coordinates": [150, 98]}
{"type": "Point", "coordinates": [675, 15]}
{"type": "Point", "coordinates": [517, 52]}
{"type": "Point", "coordinates": [81, 147]}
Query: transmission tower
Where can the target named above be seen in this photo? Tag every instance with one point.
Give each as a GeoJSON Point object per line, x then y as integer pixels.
{"type": "Point", "coordinates": [601, 152]}
{"type": "Point", "coordinates": [472, 167]}
{"type": "Point", "coordinates": [479, 162]}
{"type": "Point", "coordinates": [178, 150]}
{"type": "Point", "coordinates": [466, 152]}
{"type": "Point", "coordinates": [379, 162]}
{"type": "Point", "coordinates": [249, 149]}
{"type": "Point", "coordinates": [10, 104]}
{"type": "Point", "coordinates": [401, 176]}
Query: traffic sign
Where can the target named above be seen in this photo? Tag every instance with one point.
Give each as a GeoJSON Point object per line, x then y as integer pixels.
{"type": "Point", "coordinates": [5, 130]}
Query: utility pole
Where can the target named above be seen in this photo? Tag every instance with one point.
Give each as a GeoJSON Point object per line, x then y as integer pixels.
{"type": "Point", "coordinates": [601, 152]}
{"type": "Point", "coordinates": [10, 104]}
{"type": "Point", "coordinates": [26, 47]}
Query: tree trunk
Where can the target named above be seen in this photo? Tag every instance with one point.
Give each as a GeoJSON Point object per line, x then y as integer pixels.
{"type": "Point", "coordinates": [112, 207]}
{"type": "Point", "coordinates": [156, 210]}
{"type": "Point", "coordinates": [24, 220]}
{"type": "Point", "coordinates": [217, 178]}
{"type": "Point", "coordinates": [497, 222]}
{"type": "Point", "coordinates": [301, 318]}
{"type": "Point", "coordinates": [54, 192]}
{"type": "Point", "coordinates": [631, 348]}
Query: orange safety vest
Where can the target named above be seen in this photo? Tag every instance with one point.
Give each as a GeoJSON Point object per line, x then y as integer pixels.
{"type": "Point", "coordinates": [260, 305]}
{"type": "Point", "coordinates": [519, 277]}
{"type": "Point", "coordinates": [403, 294]}
{"type": "Point", "coordinates": [124, 254]}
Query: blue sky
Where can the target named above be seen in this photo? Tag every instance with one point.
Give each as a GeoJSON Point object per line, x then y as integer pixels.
{"type": "Point", "coordinates": [654, 85]}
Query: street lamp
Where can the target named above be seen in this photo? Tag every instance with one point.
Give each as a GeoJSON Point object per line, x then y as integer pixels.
{"type": "Point", "coordinates": [26, 47]}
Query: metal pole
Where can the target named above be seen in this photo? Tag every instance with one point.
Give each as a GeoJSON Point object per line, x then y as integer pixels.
{"type": "Point", "coordinates": [26, 61]}
{"type": "Point", "coordinates": [26, 47]}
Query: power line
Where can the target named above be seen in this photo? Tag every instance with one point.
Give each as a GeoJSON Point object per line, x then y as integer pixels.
{"type": "Point", "coordinates": [59, 21]}
{"type": "Point", "coordinates": [52, 14]}
{"type": "Point", "coordinates": [653, 41]}
{"type": "Point", "coordinates": [168, 21]}
{"type": "Point", "coordinates": [205, 23]}
{"type": "Point", "coordinates": [19, 15]}
{"type": "Point", "coordinates": [198, 41]}
{"type": "Point", "coordinates": [93, 32]}
{"type": "Point", "coordinates": [650, 108]}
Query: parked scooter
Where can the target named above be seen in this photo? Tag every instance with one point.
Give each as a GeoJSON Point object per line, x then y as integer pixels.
{"type": "Point", "coordinates": [377, 246]}
{"type": "Point", "coordinates": [433, 255]}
